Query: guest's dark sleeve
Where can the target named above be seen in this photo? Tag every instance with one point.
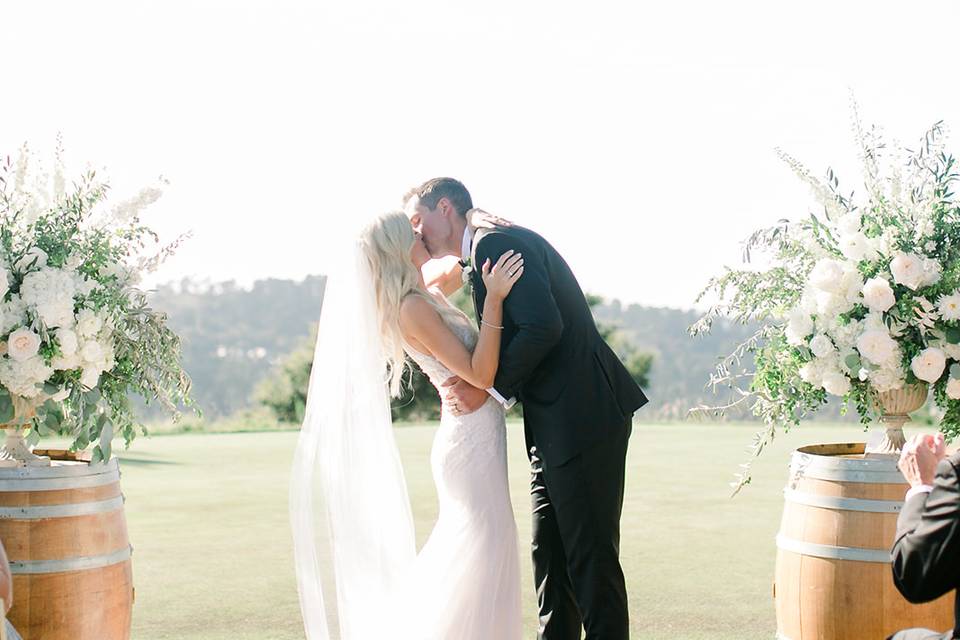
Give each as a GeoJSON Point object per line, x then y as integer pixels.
{"type": "Point", "coordinates": [926, 555]}
{"type": "Point", "coordinates": [530, 306]}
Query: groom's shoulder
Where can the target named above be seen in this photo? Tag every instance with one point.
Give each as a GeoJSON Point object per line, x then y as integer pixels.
{"type": "Point", "coordinates": [506, 233]}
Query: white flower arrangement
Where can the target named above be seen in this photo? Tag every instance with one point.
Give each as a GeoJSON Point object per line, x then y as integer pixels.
{"type": "Point", "coordinates": [860, 298]}
{"type": "Point", "coordinates": [76, 335]}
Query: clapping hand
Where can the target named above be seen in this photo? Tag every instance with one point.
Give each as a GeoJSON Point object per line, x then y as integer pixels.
{"type": "Point", "coordinates": [920, 457]}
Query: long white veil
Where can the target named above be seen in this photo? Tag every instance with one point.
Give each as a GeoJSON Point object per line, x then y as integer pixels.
{"type": "Point", "coordinates": [347, 436]}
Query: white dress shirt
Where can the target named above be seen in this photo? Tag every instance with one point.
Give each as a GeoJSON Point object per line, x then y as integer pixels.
{"type": "Point", "coordinates": [465, 252]}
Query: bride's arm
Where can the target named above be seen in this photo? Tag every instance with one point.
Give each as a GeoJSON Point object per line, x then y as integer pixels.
{"type": "Point", "coordinates": [420, 322]}
{"type": "Point", "coordinates": [444, 274]}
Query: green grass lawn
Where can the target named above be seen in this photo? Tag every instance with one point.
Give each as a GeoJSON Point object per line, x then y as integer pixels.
{"type": "Point", "coordinates": [208, 521]}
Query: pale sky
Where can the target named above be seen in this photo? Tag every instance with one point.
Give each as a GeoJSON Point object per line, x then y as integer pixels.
{"type": "Point", "coordinates": [637, 137]}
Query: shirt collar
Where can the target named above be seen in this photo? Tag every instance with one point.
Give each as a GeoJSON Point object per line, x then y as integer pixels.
{"type": "Point", "coordinates": [467, 243]}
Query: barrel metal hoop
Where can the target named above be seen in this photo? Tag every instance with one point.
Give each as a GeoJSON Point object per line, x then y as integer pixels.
{"type": "Point", "coordinates": [71, 564]}
{"type": "Point", "coordinates": [58, 484]}
{"type": "Point", "coordinates": [41, 512]}
{"type": "Point", "coordinates": [842, 504]}
{"type": "Point", "coordinates": [866, 476]}
{"type": "Point", "coordinates": [60, 471]}
{"type": "Point", "coordinates": [832, 552]}
{"type": "Point", "coordinates": [822, 467]}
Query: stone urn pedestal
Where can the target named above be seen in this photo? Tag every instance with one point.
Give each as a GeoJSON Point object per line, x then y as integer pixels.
{"type": "Point", "coordinates": [895, 408]}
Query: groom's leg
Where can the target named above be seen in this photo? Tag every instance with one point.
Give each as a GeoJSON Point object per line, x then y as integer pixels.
{"type": "Point", "coordinates": [558, 612]}
{"type": "Point", "coordinates": [587, 498]}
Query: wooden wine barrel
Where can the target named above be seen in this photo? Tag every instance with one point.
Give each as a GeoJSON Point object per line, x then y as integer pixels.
{"type": "Point", "coordinates": [65, 534]}
{"type": "Point", "coordinates": [833, 578]}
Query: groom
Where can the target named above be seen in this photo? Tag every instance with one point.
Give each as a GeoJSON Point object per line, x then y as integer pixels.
{"type": "Point", "coordinates": [578, 404]}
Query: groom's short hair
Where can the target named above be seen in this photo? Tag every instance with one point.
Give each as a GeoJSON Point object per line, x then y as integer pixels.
{"type": "Point", "coordinates": [431, 191]}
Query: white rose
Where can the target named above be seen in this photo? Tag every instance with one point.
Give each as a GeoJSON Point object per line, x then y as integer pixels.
{"type": "Point", "coordinates": [799, 327]}
{"type": "Point", "coordinates": [953, 389]}
{"type": "Point", "coordinates": [907, 269]}
{"type": "Point", "coordinates": [928, 365]}
{"type": "Point", "coordinates": [876, 346]}
{"type": "Point", "coordinates": [836, 383]}
{"type": "Point", "coordinates": [821, 346]}
{"type": "Point", "coordinates": [92, 351]}
{"type": "Point", "coordinates": [826, 275]}
{"type": "Point", "coordinates": [23, 344]}
{"type": "Point", "coordinates": [878, 295]}
{"type": "Point", "coordinates": [68, 341]}
{"type": "Point", "coordinates": [856, 247]}
{"type": "Point", "coordinates": [90, 377]}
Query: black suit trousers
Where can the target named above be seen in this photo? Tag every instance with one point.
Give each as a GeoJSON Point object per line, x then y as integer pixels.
{"type": "Point", "coordinates": [576, 542]}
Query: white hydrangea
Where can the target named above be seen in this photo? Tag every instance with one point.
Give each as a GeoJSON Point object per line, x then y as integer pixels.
{"type": "Point", "coordinates": [24, 378]}
{"type": "Point", "coordinates": [12, 314]}
{"type": "Point", "coordinates": [849, 223]}
{"type": "Point", "coordinates": [89, 323]}
{"type": "Point", "coordinates": [821, 346]}
{"type": "Point", "coordinates": [799, 327]}
{"type": "Point", "coordinates": [812, 373]}
{"type": "Point", "coordinates": [836, 383]}
{"type": "Point", "coordinates": [845, 335]}
{"type": "Point", "coordinates": [50, 292]}
{"type": "Point", "coordinates": [67, 339]}
{"type": "Point", "coordinates": [878, 294]}
{"type": "Point", "coordinates": [887, 378]}
{"type": "Point", "coordinates": [932, 272]}
{"type": "Point", "coordinates": [67, 363]}
{"type": "Point", "coordinates": [929, 364]}
{"type": "Point", "coordinates": [92, 352]}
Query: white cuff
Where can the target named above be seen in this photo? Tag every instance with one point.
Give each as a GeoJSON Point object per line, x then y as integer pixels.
{"type": "Point", "coordinates": [507, 404]}
{"type": "Point", "coordinates": [920, 488]}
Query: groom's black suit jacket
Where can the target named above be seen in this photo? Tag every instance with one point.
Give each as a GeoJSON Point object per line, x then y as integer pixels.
{"type": "Point", "coordinates": [926, 554]}
{"type": "Point", "coordinates": [574, 390]}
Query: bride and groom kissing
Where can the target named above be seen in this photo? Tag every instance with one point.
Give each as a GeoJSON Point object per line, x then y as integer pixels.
{"type": "Point", "coordinates": [535, 342]}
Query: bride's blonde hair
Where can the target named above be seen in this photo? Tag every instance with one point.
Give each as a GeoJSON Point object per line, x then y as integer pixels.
{"type": "Point", "coordinates": [386, 242]}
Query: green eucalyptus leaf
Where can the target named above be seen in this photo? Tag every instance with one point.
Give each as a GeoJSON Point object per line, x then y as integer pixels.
{"type": "Point", "coordinates": [33, 438]}
{"type": "Point", "coordinates": [6, 408]}
{"type": "Point", "coordinates": [853, 362]}
{"type": "Point", "coordinates": [953, 335]}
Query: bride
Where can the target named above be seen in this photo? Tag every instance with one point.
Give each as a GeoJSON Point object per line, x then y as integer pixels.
{"type": "Point", "coordinates": [465, 582]}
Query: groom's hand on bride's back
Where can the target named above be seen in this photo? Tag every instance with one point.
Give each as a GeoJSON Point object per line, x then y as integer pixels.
{"type": "Point", "coordinates": [461, 397]}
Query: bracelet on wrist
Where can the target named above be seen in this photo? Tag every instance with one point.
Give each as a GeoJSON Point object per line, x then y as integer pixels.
{"type": "Point", "coordinates": [492, 326]}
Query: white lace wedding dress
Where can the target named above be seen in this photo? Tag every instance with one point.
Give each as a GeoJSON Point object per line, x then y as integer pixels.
{"type": "Point", "coordinates": [465, 582]}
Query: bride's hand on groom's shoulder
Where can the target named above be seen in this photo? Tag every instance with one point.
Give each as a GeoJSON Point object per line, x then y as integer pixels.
{"type": "Point", "coordinates": [480, 219]}
{"type": "Point", "coordinates": [500, 278]}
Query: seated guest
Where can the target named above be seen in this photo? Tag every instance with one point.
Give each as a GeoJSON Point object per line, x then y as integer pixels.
{"type": "Point", "coordinates": [926, 554]}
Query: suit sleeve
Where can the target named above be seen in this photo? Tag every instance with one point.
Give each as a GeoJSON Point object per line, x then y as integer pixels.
{"type": "Point", "coordinates": [530, 307]}
{"type": "Point", "coordinates": [926, 552]}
